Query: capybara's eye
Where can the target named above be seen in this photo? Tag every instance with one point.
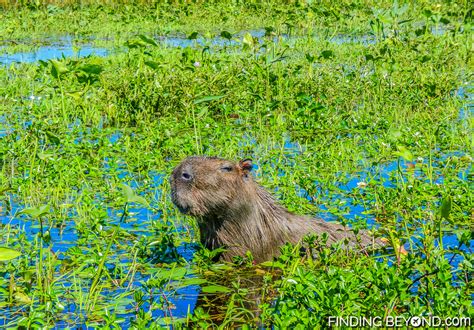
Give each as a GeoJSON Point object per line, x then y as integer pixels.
{"type": "Point", "coordinates": [226, 168]}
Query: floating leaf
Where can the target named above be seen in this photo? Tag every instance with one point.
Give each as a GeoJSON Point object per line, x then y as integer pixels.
{"type": "Point", "coordinates": [173, 274]}
{"type": "Point", "coordinates": [36, 212]}
{"type": "Point", "coordinates": [208, 98]}
{"type": "Point", "coordinates": [188, 282]}
{"type": "Point", "coordinates": [8, 254]}
{"type": "Point", "coordinates": [215, 289]}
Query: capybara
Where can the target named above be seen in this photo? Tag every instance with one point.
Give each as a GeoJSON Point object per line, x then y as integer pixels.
{"type": "Point", "coordinates": [235, 212]}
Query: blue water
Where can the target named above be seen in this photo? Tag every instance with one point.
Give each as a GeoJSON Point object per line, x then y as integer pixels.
{"type": "Point", "coordinates": [141, 218]}
{"type": "Point", "coordinates": [63, 47]}
{"type": "Point", "coordinates": [466, 93]}
{"type": "Point", "coordinates": [45, 53]}
{"type": "Point", "coordinates": [139, 222]}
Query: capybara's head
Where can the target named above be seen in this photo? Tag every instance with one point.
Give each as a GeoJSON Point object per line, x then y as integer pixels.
{"type": "Point", "coordinates": [207, 186]}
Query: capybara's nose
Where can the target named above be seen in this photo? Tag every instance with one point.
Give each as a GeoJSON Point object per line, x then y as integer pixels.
{"type": "Point", "coordinates": [186, 175]}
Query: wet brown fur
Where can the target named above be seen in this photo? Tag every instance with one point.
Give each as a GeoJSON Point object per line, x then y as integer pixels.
{"type": "Point", "coordinates": [233, 211]}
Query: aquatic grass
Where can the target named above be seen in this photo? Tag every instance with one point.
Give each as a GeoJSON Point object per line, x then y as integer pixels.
{"type": "Point", "coordinates": [367, 133]}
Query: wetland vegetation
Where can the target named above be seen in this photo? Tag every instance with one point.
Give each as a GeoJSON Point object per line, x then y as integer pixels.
{"type": "Point", "coordinates": [351, 111]}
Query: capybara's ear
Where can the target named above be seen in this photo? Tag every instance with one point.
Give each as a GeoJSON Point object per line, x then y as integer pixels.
{"type": "Point", "coordinates": [246, 165]}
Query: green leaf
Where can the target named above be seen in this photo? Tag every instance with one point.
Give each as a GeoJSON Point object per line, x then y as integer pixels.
{"type": "Point", "coordinates": [327, 54]}
{"type": "Point", "coordinates": [128, 191]}
{"type": "Point", "coordinates": [135, 43]}
{"type": "Point", "coordinates": [36, 212]}
{"type": "Point", "coordinates": [187, 282]}
{"type": "Point", "coordinates": [76, 95]}
{"type": "Point", "coordinates": [22, 298]}
{"type": "Point", "coordinates": [131, 197]}
{"type": "Point", "coordinates": [193, 35]}
{"type": "Point", "coordinates": [171, 274]}
{"type": "Point", "coordinates": [153, 65]}
{"type": "Point", "coordinates": [404, 153]}
{"type": "Point", "coordinates": [444, 20]}
{"type": "Point", "coordinates": [309, 57]}
{"type": "Point", "coordinates": [53, 138]}
{"type": "Point", "coordinates": [203, 112]}
{"type": "Point", "coordinates": [445, 208]}
{"type": "Point", "coordinates": [394, 134]}
{"type": "Point", "coordinates": [91, 68]}
{"type": "Point", "coordinates": [58, 68]}
{"type": "Point", "coordinates": [148, 40]}
{"type": "Point", "coordinates": [274, 264]}
{"type": "Point", "coordinates": [208, 98]}
{"type": "Point", "coordinates": [192, 281]}
{"type": "Point", "coordinates": [215, 289]}
{"type": "Point", "coordinates": [8, 254]}
{"type": "Point", "coordinates": [226, 34]}
{"type": "Point", "coordinates": [248, 40]}
{"type": "Point", "coordinates": [269, 30]}
{"type": "Point", "coordinates": [46, 155]}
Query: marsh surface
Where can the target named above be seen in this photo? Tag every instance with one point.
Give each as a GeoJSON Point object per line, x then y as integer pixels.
{"type": "Point", "coordinates": [354, 114]}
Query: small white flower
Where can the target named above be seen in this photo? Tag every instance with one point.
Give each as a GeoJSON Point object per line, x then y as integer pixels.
{"type": "Point", "coordinates": [361, 184]}
{"type": "Point", "coordinates": [197, 64]}
{"type": "Point", "coordinates": [292, 281]}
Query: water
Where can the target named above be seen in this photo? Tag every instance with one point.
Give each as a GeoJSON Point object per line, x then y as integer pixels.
{"type": "Point", "coordinates": [345, 39]}
{"type": "Point", "coordinates": [4, 127]}
{"type": "Point", "coordinates": [140, 223]}
{"type": "Point", "coordinates": [45, 53]}
{"type": "Point", "coordinates": [64, 47]}
{"type": "Point", "coordinates": [466, 94]}
{"type": "Point", "coordinates": [65, 238]}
